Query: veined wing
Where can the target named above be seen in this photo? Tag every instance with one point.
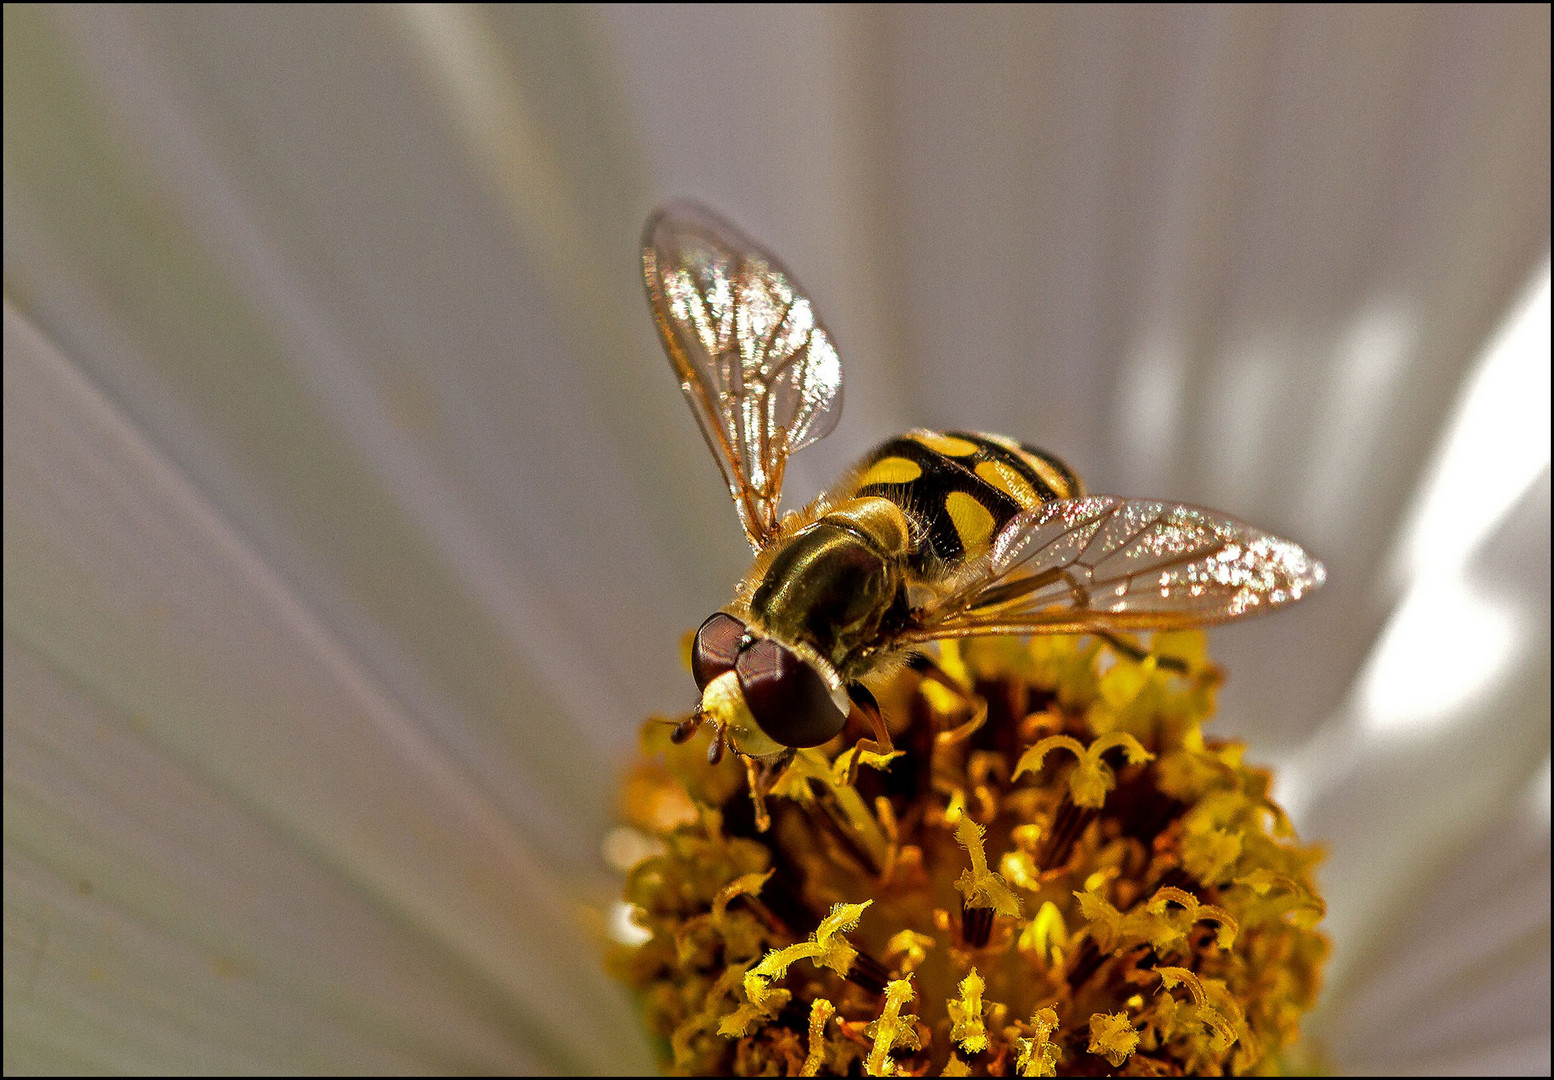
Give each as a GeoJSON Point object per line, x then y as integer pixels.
{"type": "Point", "coordinates": [1102, 563]}
{"type": "Point", "coordinates": [757, 366]}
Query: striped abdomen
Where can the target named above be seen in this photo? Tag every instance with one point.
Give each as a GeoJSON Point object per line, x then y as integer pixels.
{"type": "Point", "coordinates": [958, 488]}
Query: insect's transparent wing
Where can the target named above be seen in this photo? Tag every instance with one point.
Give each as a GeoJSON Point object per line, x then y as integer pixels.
{"type": "Point", "coordinates": [1105, 563]}
{"type": "Point", "coordinates": [757, 366]}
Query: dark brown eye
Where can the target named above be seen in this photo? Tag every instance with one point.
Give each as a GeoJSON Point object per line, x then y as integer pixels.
{"type": "Point", "coordinates": [787, 697]}
{"type": "Point", "coordinates": [716, 646]}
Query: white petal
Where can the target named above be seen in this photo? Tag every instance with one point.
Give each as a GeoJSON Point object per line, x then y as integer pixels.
{"type": "Point", "coordinates": [121, 582]}
{"type": "Point", "coordinates": [153, 924]}
{"type": "Point", "coordinates": [358, 288]}
{"type": "Point", "coordinates": [1455, 978]}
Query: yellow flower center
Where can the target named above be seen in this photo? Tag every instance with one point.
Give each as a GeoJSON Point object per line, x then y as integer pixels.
{"type": "Point", "coordinates": [1080, 884]}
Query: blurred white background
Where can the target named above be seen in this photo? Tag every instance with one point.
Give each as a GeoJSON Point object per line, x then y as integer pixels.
{"type": "Point", "coordinates": [353, 517]}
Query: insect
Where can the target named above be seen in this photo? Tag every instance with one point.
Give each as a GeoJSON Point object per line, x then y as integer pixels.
{"type": "Point", "coordinates": [934, 534]}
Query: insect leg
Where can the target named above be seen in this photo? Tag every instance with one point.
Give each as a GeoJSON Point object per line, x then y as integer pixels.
{"type": "Point", "coordinates": [925, 666]}
{"type": "Point", "coordinates": [763, 776]}
{"type": "Point", "coordinates": [763, 820]}
{"type": "Point", "coordinates": [1124, 647]}
{"type": "Point", "coordinates": [865, 706]}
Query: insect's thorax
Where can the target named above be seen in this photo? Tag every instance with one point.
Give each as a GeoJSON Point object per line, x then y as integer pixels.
{"type": "Point", "coordinates": [839, 584]}
{"type": "Point", "coordinates": [914, 510]}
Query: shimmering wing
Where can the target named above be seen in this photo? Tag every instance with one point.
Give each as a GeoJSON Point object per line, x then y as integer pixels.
{"type": "Point", "coordinates": [1104, 563]}
{"type": "Point", "coordinates": [755, 363]}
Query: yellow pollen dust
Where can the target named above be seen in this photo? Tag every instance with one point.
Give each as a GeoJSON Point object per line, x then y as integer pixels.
{"type": "Point", "coordinates": [1085, 883]}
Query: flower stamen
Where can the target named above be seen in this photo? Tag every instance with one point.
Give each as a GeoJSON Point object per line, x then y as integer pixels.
{"type": "Point", "coordinates": [892, 1029]}
{"type": "Point", "coordinates": [1146, 906]}
{"type": "Point", "coordinates": [820, 1011]}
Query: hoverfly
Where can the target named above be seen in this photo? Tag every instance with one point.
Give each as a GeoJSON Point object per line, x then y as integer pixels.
{"type": "Point", "coordinates": [934, 534]}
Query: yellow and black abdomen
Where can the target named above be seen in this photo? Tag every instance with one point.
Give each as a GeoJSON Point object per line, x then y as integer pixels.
{"type": "Point", "coordinates": [959, 488]}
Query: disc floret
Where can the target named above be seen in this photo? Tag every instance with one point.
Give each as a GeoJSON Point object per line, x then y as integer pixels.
{"type": "Point", "coordinates": [1082, 884]}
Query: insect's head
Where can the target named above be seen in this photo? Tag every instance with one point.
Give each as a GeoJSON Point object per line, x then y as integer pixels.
{"type": "Point", "coordinates": [765, 695]}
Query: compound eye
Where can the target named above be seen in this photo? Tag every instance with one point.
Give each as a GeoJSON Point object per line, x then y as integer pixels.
{"type": "Point", "coordinates": [715, 648]}
{"type": "Point", "coordinates": [787, 697]}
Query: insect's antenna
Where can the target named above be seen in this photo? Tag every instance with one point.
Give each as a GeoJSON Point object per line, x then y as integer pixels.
{"type": "Point", "coordinates": [687, 727]}
{"type": "Point", "coordinates": [715, 750]}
